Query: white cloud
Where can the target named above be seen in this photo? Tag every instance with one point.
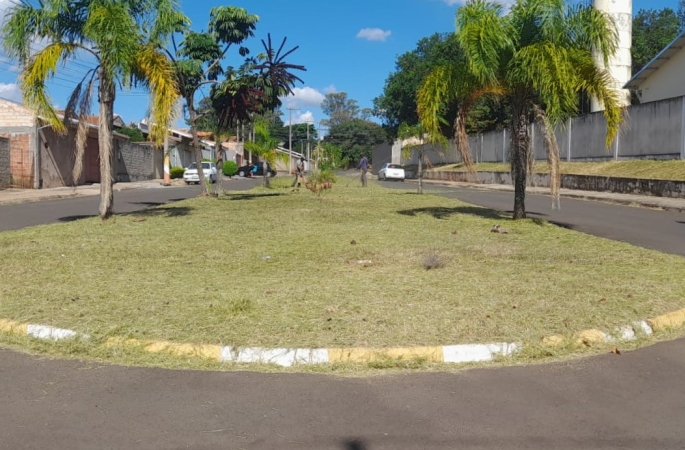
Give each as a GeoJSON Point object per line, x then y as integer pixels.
{"type": "Point", "coordinates": [330, 89]}
{"type": "Point", "coordinates": [10, 91]}
{"type": "Point", "coordinates": [374, 34]}
{"type": "Point", "coordinates": [304, 118]}
{"type": "Point", "coordinates": [302, 97]}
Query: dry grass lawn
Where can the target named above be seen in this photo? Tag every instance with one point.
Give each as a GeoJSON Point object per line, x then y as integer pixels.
{"type": "Point", "coordinates": [654, 170]}
{"type": "Point", "coordinates": [275, 268]}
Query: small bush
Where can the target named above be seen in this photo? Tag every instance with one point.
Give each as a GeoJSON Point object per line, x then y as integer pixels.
{"type": "Point", "coordinates": [322, 176]}
{"type": "Point", "coordinates": [230, 168]}
{"type": "Point", "coordinates": [177, 172]}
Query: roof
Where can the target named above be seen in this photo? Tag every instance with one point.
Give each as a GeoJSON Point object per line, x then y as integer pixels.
{"type": "Point", "coordinates": [659, 60]}
{"type": "Point", "coordinates": [95, 120]}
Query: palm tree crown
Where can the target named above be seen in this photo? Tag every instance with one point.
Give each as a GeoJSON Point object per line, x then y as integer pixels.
{"type": "Point", "coordinates": [538, 57]}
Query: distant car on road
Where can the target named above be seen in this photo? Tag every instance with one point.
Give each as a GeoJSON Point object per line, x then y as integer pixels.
{"type": "Point", "coordinates": [391, 172]}
{"type": "Point", "coordinates": [191, 175]}
{"type": "Point", "coordinates": [256, 170]}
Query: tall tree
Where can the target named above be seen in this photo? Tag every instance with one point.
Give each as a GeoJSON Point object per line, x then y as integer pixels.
{"type": "Point", "coordinates": [355, 137]}
{"type": "Point", "coordinates": [124, 37]}
{"type": "Point", "coordinates": [652, 31]}
{"type": "Point", "coordinates": [339, 108]}
{"type": "Point", "coordinates": [397, 104]}
{"type": "Point", "coordinates": [300, 133]}
{"type": "Point", "coordinates": [198, 61]}
{"type": "Point", "coordinates": [538, 57]}
{"type": "Point", "coordinates": [264, 146]}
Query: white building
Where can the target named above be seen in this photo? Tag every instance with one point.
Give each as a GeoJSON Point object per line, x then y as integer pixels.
{"type": "Point", "coordinates": [662, 77]}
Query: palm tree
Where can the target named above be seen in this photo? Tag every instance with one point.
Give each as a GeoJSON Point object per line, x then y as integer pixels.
{"type": "Point", "coordinates": [124, 37]}
{"type": "Point", "coordinates": [264, 146]}
{"type": "Point", "coordinates": [538, 58]}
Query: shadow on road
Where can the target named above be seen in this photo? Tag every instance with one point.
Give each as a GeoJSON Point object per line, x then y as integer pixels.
{"type": "Point", "coordinates": [75, 218]}
{"type": "Point", "coordinates": [238, 197]}
{"type": "Point", "coordinates": [440, 212]}
{"type": "Point", "coordinates": [356, 444]}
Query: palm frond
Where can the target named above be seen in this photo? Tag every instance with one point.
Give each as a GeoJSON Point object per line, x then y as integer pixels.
{"type": "Point", "coordinates": [552, 151]}
{"type": "Point", "coordinates": [157, 74]}
{"type": "Point", "coordinates": [34, 76]}
{"type": "Point", "coordinates": [485, 35]}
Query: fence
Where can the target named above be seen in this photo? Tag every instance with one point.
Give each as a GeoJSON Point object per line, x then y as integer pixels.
{"type": "Point", "coordinates": [654, 130]}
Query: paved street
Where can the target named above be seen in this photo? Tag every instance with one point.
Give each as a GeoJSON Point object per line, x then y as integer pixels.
{"type": "Point", "coordinates": [632, 401]}
{"type": "Point", "coordinates": [13, 217]}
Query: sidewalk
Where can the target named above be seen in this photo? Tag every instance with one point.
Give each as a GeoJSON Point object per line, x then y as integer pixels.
{"type": "Point", "coordinates": [15, 196]}
{"type": "Point", "coordinates": [645, 201]}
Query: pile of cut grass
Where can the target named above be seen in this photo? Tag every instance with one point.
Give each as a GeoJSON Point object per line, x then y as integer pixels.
{"type": "Point", "coordinates": [277, 268]}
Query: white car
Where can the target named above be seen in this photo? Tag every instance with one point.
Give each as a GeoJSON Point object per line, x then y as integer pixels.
{"type": "Point", "coordinates": [391, 172]}
{"type": "Point", "coordinates": [191, 176]}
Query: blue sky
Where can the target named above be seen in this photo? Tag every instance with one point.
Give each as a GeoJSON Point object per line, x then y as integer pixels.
{"type": "Point", "coordinates": [348, 46]}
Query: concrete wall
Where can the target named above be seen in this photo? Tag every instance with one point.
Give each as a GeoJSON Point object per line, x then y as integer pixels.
{"type": "Point", "coordinates": [58, 155]}
{"type": "Point", "coordinates": [654, 130]}
{"type": "Point", "coordinates": [666, 82]}
{"type": "Point", "coordinates": [135, 162]}
{"type": "Point", "coordinates": [657, 188]}
{"type": "Point", "coordinates": [5, 170]}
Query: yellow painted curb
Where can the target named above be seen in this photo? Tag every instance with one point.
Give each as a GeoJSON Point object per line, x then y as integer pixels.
{"type": "Point", "coordinates": [553, 341]}
{"type": "Point", "coordinates": [589, 337]}
{"type": "Point", "coordinates": [199, 351]}
{"type": "Point", "coordinates": [432, 354]}
{"type": "Point", "coordinates": [673, 319]}
{"type": "Point", "coordinates": [9, 326]}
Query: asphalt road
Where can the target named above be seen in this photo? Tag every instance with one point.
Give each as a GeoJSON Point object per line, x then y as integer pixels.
{"type": "Point", "coordinates": [633, 401]}
{"type": "Point", "coordinates": [13, 217]}
{"type": "Point", "coordinates": [658, 230]}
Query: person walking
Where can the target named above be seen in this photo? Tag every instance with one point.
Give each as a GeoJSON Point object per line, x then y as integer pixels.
{"type": "Point", "coordinates": [363, 166]}
{"type": "Point", "coordinates": [299, 173]}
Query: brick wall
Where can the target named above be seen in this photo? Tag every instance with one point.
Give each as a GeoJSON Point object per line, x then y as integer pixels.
{"type": "Point", "coordinates": [21, 158]}
{"type": "Point", "coordinates": [15, 115]}
{"type": "Point", "coordinates": [135, 162]}
{"type": "Point", "coordinates": [5, 171]}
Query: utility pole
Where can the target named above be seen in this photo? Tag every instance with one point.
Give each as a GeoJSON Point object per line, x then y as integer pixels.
{"type": "Point", "coordinates": [309, 151]}
{"type": "Point", "coordinates": [290, 140]}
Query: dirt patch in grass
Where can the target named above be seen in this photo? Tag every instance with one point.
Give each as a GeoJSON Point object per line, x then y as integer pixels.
{"type": "Point", "coordinates": [652, 170]}
{"type": "Point", "coordinates": [277, 268]}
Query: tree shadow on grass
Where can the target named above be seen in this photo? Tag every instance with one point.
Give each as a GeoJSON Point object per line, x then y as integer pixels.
{"type": "Point", "coordinates": [238, 197]}
{"type": "Point", "coordinates": [355, 444]}
{"type": "Point", "coordinates": [168, 211]}
{"type": "Point", "coordinates": [440, 213]}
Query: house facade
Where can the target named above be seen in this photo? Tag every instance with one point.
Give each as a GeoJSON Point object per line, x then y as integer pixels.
{"type": "Point", "coordinates": [39, 157]}
{"type": "Point", "coordinates": [662, 77]}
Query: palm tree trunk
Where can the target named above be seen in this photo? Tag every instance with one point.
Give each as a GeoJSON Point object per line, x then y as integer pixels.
{"type": "Point", "coordinates": [105, 143]}
{"type": "Point", "coordinates": [265, 173]}
{"type": "Point", "coordinates": [420, 173]}
{"type": "Point", "coordinates": [519, 161]}
{"type": "Point", "coordinates": [196, 146]}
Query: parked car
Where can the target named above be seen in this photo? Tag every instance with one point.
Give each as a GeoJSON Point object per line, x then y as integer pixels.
{"type": "Point", "coordinates": [191, 175]}
{"type": "Point", "coordinates": [256, 170]}
{"type": "Point", "coordinates": [391, 172]}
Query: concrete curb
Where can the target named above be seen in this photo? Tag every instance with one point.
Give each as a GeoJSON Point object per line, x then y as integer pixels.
{"type": "Point", "coordinates": [287, 357]}
{"type": "Point", "coordinates": [640, 201]}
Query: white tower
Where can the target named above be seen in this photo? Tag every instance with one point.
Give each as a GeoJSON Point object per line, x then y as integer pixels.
{"type": "Point", "coordinates": [620, 63]}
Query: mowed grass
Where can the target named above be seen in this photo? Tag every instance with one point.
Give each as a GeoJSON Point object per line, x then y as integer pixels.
{"type": "Point", "coordinates": [276, 268]}
{"type": "Point", "coordinates": [653, 170]}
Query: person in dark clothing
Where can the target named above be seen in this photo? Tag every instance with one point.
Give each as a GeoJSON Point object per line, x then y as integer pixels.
{"type": "Point", "coordinates": [363, 166]}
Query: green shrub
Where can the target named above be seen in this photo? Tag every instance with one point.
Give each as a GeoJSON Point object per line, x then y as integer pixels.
{"type": "Point", "coordinates": [177, 172]}
{"type": "Point", "coordinates": [230, 168]}
{"type": "Point", "coordinates": [322, 176]}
